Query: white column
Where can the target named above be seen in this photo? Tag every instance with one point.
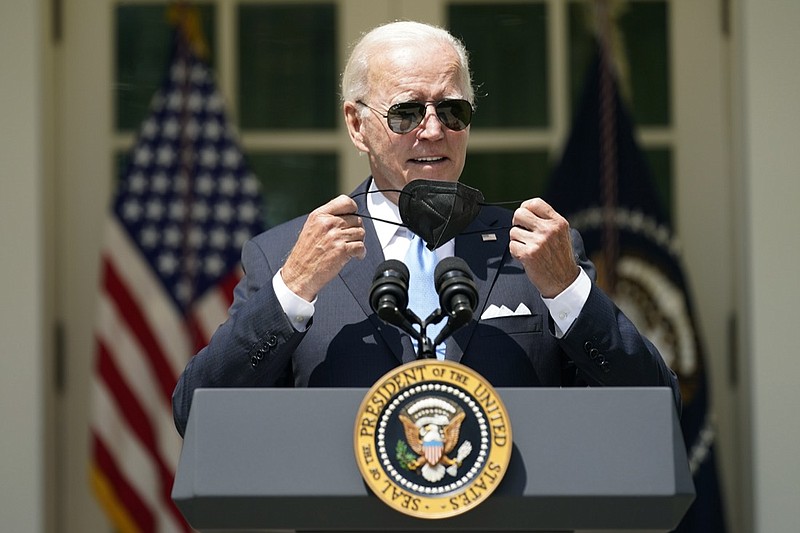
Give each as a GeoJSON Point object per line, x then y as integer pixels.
{"type": "Point", "coordinates": [768, 158]}
{"type": "Point", "coordinates": [21, 268]}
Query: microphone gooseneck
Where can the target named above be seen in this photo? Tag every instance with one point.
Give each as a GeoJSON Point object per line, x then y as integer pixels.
{"type": "Point", "coordinates": [458, 298]}
{"type": "Point", "coordinates": [458, 294]}
{"type": "Point", "coordinates": [388, 296]}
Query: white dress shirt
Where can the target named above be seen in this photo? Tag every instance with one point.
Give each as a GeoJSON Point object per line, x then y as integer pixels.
{"type": "Point", "coordinates": [395, 241]}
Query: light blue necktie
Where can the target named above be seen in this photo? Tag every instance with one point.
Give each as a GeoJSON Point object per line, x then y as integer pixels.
{"type": "Point", "coordinates": [422, 297]}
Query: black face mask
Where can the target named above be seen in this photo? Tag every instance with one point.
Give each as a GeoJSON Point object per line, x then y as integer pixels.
{"type": "Point", "coordinates": [437, 211]}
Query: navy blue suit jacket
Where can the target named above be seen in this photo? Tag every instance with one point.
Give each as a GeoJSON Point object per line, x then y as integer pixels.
{"type": "Point", "coordinates": [347, 345]}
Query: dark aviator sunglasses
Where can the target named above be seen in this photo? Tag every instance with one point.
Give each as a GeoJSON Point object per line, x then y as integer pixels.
{"type": "Point", "coordinates": [406, 116]}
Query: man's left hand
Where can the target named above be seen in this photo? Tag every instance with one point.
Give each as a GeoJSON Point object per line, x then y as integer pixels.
{"type": "Point", "coordinates": [540, 240]}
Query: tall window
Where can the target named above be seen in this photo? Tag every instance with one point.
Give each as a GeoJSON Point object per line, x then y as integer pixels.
{"type": "Point", "coordinates": [278, 64]}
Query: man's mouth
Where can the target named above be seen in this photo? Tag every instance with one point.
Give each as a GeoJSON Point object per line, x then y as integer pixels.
{"type": "Point", "coordinates": [424, 160]}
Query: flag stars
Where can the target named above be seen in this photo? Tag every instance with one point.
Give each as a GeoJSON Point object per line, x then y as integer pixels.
{"type": "Point", "coordinates": [137, 183]}
{"type": "Point", "coordinates": [180, 184]}
{"type": "Point", "coordinates": [214, 265]}
{"type": "Point", "coordinates": [143, 155]}
{"type": "Point", "coordinates": [167, 264]}
{"type": "Point", "coordinates": [196, 237]}
{"type": "Point", "coordinates": [200, 211]}
{"type": "Point", "coordinates": [204, 185]}
{"type": "Point", "coordinates": [131, 210]}
{"type": "Point", "coordinates": [155, 209]}
{"type": "Point", "coordinates": [149, 237]}
{"type": "Point", "coordinates": [177, 210]}
{"type": "Point", "coordinates": [192, 129]}
{"type": "Point", "coordinates": [224, 212]}
{"type": "Point", "coordinates": [183, 291]}
{"type": "Point", "coordinates": [248, 212]}
{"type": "Point", "coordinates": [231, 158]}
{"type": "Point", "coordinates": [178, 73]}
{"type": "Point", "coordinates": [166, 155]}
{"type": "Point", "coordinates": [195, 103]}
{"type": "Point", "coordinates": [218, 238]}
{"type": "Point", "coordinates": [171, 128]}
{"type": "Point", "coordinates": [241, 236]}
{"type": "Point", "coordinates": [214, 103]}
{"type": "Point", "coordinates": [199, 75]}
{"type": "Point", "coordinates": [160, 183]}
{"type": "Point", "coordinates": [250, 186]}
{"type": "Point", "coordinates": [189, 209]}
{"type": "Point", "coordinates": [149, 128]}
{"type": "Point", "coordinates": [174, 101]}
{"type": "Point", "coordinates": [209, 157]}
{"type": "Point", "coordinates": [172, 236]}
{"type": "Point", "coordinates": [228, 185]}
{"type": "Point", "coordinates": [212, 130]}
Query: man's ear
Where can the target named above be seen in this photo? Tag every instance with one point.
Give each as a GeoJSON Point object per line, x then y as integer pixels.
{"type": "Point", "coordinates": [355, 124]}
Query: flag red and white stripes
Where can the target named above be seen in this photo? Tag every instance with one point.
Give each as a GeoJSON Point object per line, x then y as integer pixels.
{"type": "Point", "coordinates": [184, 206]}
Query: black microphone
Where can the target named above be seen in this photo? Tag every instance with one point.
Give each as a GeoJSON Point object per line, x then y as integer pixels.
{"type": "Point", "coordinates": [458, 294]}
{"type": "Point", "coordinates": [388, 295]}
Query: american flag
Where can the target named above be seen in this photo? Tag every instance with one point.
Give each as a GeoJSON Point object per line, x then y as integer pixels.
{"type": "Point", "coordinates": [182, 211]}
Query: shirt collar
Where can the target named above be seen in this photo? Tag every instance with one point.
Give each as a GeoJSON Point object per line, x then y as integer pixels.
{"type": "Point", "coordinates": [395, 239]}
{"type": "Point", "coordinates": [380, 207]}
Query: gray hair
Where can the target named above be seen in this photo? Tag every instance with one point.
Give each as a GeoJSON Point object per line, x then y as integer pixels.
{"type": "Point", "coordinates": [355, 78]}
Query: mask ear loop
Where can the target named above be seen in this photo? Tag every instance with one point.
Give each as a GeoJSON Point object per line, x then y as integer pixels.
{"type": "Point", "coordinates": [483, 204]}
{"type": "Point", "coordinates": [364, 193]}
{"type": "Point", "coordinates": [489, 204]}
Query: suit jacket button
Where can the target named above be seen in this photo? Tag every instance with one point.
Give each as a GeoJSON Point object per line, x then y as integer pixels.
{"type": "Point", "coordinates": [272, 341]}
{"type": "Point", "coordinates": [587, 346]}
{"type": "Point", "coordinates": [593, 353]}
{"type": "Point", "coordinates": [253, 361]}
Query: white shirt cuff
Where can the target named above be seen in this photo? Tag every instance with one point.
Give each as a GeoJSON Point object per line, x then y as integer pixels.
{"type": "Point", "coordinates": [298, 310]}
{"type": "Point", "coordinates": [566, 307]}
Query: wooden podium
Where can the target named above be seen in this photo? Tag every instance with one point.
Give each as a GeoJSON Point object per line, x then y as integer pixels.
{"type": "Point", "coordinates": [584, 459]}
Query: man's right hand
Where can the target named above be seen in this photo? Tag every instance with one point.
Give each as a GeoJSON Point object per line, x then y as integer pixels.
{"type": "Point", "coordinates": [331, 236]}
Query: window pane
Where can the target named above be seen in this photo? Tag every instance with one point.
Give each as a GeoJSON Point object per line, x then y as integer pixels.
{"type": "Point", "coordinates": [287, 66]}
{"type": "Point", "coordinates": [644, 34]}
{"type": "Point", "coordinates": [294, 184]}
{"type": "Point", "coordinates": [508, 55]}
{"type": "Point", "coordinates": [660, 162]}
{"type": "Point", "coordinates": [507, 176]}
{"type": "Point", "coordinates": [143, 46]}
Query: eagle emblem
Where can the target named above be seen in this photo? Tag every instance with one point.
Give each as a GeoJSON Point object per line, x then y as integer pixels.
{"type": "Point", "coordinates": [432, 426]}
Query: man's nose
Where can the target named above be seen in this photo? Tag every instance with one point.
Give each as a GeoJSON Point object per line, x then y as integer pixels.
{"type": "Point", "coordinates": [430, 126]}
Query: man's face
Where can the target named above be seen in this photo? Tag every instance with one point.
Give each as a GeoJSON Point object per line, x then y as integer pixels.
{"type": "Point", "coordinates": [426, 73]}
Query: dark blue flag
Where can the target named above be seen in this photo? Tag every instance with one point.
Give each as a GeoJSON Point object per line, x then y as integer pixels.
{"type": "Point", "coordinates": [603, 186]}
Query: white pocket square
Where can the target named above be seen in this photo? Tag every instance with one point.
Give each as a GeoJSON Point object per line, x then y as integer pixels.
{"type": "Point", "coordinates": [497, 312]}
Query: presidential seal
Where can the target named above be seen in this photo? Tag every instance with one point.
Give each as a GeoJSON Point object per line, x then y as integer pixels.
{"type": "Point", "coordinates": [432, 439]}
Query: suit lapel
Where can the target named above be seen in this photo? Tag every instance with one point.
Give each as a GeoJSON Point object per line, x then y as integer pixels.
{"type": "Point", "coordinates": [482, 246]}
{"type": "Point", "coordinates": [357, 276]}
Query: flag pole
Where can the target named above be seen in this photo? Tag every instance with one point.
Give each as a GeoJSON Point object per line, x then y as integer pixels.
{"type": "Point", "coordinates": [190, 42]}
{"type": "Point", "coordinates": [607, 270]}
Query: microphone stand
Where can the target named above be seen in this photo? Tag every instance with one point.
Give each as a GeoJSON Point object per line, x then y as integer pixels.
{"type": "Point", "coordinates": [425, 346]}
{"type": "Point", "coordinates": [389, 299]}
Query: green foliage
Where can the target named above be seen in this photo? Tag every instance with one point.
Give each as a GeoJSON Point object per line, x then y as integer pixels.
{"type": "Point", "coordinates": [404, 455]}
